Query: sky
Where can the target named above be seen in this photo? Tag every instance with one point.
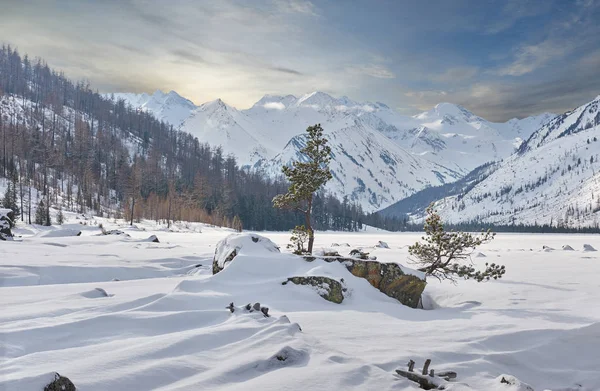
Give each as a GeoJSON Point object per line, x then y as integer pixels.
{"type": "Point", "coordinates": [499, 59]}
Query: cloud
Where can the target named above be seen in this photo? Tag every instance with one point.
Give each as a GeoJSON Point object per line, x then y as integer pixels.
{"type": "Point", "coordinates": [372, 70]}
{"type": "Point", "coordinates": [529, 58]}
{"type": "Point", "coordinates": [289, 71]}
{"type": "Point", "coordinates": [456, 75]}
{"type": "Point", "coordinates": [274, 105]}
{"type": "Point", "coordinates": [188, 56]}
{"type": "Point", "coordinates": [296, 6]}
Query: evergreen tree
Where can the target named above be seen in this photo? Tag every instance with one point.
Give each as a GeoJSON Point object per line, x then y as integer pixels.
{"type": "Point", "coordinates": [306, 177]}
{"type": "Point", "coordinates": [60, 217]}
{"type": "Point", "coordinates": [10, 199]}
{"type": "Point", "coordinates": [443, 254]}
{"type": "Point", "coordinates": [40, 214]}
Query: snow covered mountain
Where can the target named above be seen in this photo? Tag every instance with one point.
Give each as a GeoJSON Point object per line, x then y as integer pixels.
{"type": "Point", "coordinates": [553, 178]}
{"type": "Point", "coordinates": [169, 107]}
{"type": "Point", "coordinates": [380, 156]}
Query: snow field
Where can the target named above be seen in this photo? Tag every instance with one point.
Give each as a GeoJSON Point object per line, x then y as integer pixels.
{"type": "Point", "coordinates": [164, 326]}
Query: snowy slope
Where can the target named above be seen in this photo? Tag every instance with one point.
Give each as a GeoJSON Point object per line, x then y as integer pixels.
{"type": "Point", "coordinates": [432, 148]}
{"type": "Point", "coordinates": [163, 325]}
{"type": "Point", "coordinates": [553, 178]}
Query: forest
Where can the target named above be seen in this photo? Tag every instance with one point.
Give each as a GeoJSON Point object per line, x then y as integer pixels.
{"type": "Point", "coordinates": [85, 152]}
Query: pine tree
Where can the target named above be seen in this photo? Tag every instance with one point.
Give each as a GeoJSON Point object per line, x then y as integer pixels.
{"type": "Point", "coordinates": [443, 252]}
{"type": "Point", "coordinates": [10, 199]}
{"type": "Point", "coordinates": [60, 217]}
{"type": "Point", "coordinates": [40, 213]}
{"type": "Point", "coordinates": [306, 177]}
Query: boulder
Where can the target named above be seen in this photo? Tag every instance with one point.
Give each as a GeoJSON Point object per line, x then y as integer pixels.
{"type": "Point", "coordinates": [588, 247]}
{"type": "Point", "coordinates": [116, 232]}
{"type": "Point", "coordinates": [512, 383]}
{"type": "Point", "coordinates": [327, 288]}
{"type": "Point", "coordinates": [381, 244]}
{"type": "Point", "coordinates": [566, 247]}
{"type": "Point", "coordinates": [389, 278]}
{"type": "Point", "coordinates": [234, 244]}
{"type": "Point", "coordinates": [60, 383]}
{"type": "Point", "coordinates": [7, 218]}
{"type": "Point", "coordinates": [153, 239]}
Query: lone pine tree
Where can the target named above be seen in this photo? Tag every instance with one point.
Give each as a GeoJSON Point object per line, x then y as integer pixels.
{"type": "Point", "coordinates": [306, 176]}
{"type": "Point", "coordinates": [444, 254]}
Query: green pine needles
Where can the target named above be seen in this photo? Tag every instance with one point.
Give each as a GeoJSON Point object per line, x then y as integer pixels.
{"type": "Point", "coordinates": [306, 176]}
{"type": "Point", "coordinates": [447, 255]}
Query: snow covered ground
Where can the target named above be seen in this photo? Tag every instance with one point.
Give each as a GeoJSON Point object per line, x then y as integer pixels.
{"type": "Point", "coordinates": [164, 326]}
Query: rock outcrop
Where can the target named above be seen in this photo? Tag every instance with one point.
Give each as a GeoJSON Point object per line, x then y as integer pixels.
{"type": "Point", "coordinates": [228, 248]}
{"type": "Point", "coordinates": [327, 288]}
{"type": "Point", "coordinates": [389, 278]}
{"type": "Point", "coordinates": [7, 218]}
{"type": "Point", "coordinates": [60, 383]}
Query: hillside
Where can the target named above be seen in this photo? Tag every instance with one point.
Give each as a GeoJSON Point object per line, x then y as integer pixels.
{"type": "Point", "coordinates": [553, 179]}
{"type": "Point", "coordinates": [65, 144]}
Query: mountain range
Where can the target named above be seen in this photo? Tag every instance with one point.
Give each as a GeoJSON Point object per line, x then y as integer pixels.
{"type": "Point", "coordinates": [553, 178]}
{"type": "Point", "coordinates": [379, 155]}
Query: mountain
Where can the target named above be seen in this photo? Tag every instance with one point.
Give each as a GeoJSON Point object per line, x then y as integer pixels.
{"type": "Point", "coordinates": [168, 107]}
{"type": "Point", "coordinates": [380, 156]}
{"type": "Point", "coordinates": [553, 178]}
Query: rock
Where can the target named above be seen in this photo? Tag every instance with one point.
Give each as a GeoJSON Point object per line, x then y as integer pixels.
{"type": "Point", "coordinates": [153, 239]}
{"type": "Point", "coordinates": [116, 232]}
{"type": "Point", "coordinates": [547, 248]}
{"type": "Point", "coordinates": [588, 247]}
{"type": "Point", "coordinates": [327, 288]}
{"type": "Point", "coordinates": [7, 221]}
{"type": "Point", "coordinates": [60, 383]}
{"type": "Point", "coordinates": [566, 247]}
{"type": "Point", "coordinates": [381, 244]}
{"type": "Point", "coordinates": [480, 255]}
{"type": "Point", "coordinates": [327, 252]}
{"type": "Point", "coordinates": [234, 244]}
{"type": "Point", "coordinates": [389, 278]}
{"type": "Point", "coordinates": [256, 307]}
{"type": "Point", "coordinates": [513, 384]}
{"type": "Point", "coordinates": [356, 253]}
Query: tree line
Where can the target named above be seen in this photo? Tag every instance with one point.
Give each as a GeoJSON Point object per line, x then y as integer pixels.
{"type": "Point", "coordinates": [77, 149]}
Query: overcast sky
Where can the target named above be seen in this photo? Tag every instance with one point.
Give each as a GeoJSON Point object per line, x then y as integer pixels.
{"type": "Point", "coordinates": [500, 59]}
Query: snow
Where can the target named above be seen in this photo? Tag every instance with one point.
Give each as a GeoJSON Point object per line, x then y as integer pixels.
{"type": "Point", "coordinates": [164, 324]}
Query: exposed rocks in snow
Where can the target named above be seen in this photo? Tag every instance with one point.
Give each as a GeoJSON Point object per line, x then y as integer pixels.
{"type": "Point", "coordinates": [389, 278]}
{"type": "Point", "coordinates": [381, 244]}
{"type": "Point", "coordinates": [566, 247]}
{"type": "Point", "coordinates": [285, 357]}
{"type": "Point", "coordinates": [234, 244]}
{"type": "Point", "coordinates": [547, 248]}
{"type": "Point", "coordinates": [251, 308]}
{"type": "Point", "coordinates": [513, 384]}
{"type": "Point", "coordinates": [7, 217]}
{"type": "Point", "coordinates": [340, 244]}
{"type": "Point", "coordinates": [588, 247]}
{"type": "Point", "coordinates": [480, 255]}
{"type": "Point", "coordinates": [116, 232]}
{"type": "Point", "coordinates": [358, 253]}
{"type": "Point", "coordinates": [327, 288]}
{"type": "Point", "coordinates": [60, 383]}
{"type": "Point", "coordinates": [153, 239]}
{"type": "Point", "coordinates": [327, 252]}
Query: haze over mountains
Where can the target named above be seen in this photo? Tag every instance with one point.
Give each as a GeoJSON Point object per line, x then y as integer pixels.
{"type": "Point", "coordinates": [379, 155]}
